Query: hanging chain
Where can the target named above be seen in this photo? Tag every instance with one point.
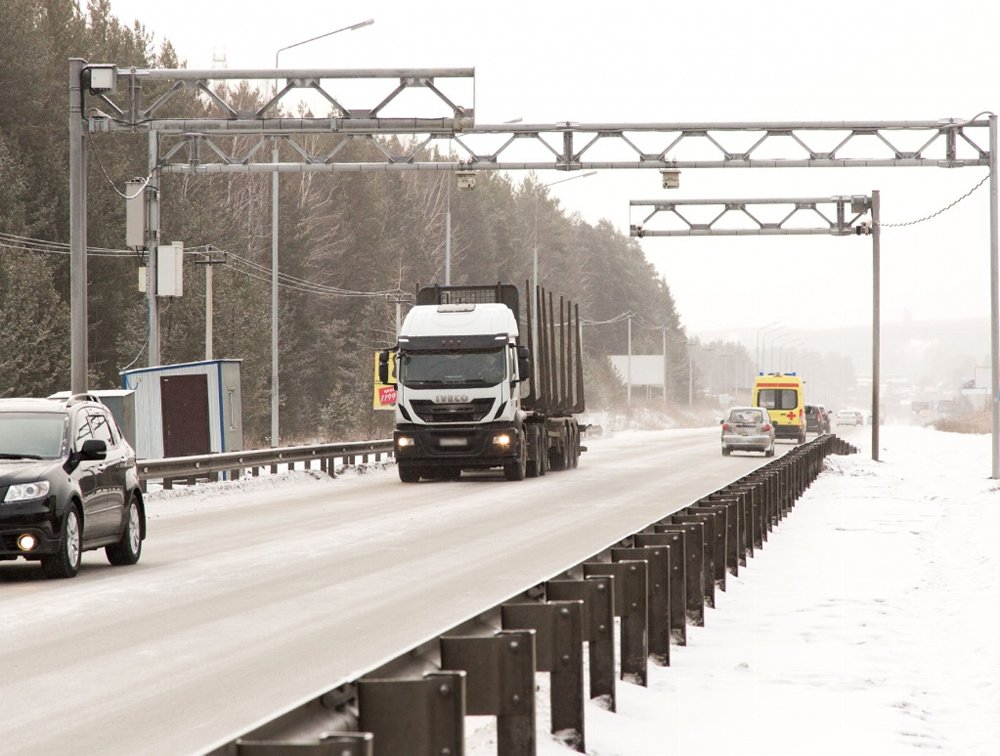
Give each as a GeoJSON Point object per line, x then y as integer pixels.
{"type": "Point", "coordinates": [936, 214]}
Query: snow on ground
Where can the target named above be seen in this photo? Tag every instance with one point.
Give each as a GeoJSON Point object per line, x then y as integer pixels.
{"type": "Point", "coordinates": [866, 625]}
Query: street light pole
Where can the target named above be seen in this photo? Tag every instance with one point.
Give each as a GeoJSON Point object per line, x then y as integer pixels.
{"type": "Point", "coordinates": [274, 238]}
{"type": "Point", "coordinates": [534, 255]}
{"type": "Point", "coordinates": [774, 343]}
{"type": "Point", "coordinates": [760, 332]}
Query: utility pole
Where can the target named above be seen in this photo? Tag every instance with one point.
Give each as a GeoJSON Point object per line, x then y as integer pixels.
{"type": "Point", "coordinates": [209, 261]}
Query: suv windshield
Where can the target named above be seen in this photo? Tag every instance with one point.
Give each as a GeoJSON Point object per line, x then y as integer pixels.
{"type": "Point", "coordinates": [31, 434]}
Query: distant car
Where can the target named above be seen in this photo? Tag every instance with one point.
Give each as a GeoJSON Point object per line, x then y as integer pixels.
{"type": "Point", "coordinates": [817, 419]}
{"type": "Point", "coordinates": [747, 429]}
{"type": "Point", "coordinates": [849, 417]}
{"type": "Point", "coordinates": [68, 484]}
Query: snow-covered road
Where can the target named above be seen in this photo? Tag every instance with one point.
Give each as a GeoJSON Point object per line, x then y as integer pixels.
{"type": "Point", "coordinates": [261, 594]}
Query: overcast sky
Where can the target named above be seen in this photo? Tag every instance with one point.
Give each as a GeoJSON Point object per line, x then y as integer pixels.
{"type": "Point", "coordinates": [775, 60]}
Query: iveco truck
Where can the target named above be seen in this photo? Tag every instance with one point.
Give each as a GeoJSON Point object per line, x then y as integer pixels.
{"type": "Point", "coordinates": [478, 388]}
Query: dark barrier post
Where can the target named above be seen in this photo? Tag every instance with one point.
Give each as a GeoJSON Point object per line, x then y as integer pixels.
{"type": "Point", "coordinates": [727, 541]}
{"type": "Point", "coordinates": [499, 682]}
{"type": "Point", "coordinates": [707, 521]}
{"type": "Point", "coordinates": [597, 595]}
{"type": "Point", "coordinates": [631, 606]}
{"type": "Point", "coordinates": [414, 717]}
{"type": "Point", "coordinates": [678, 593]}
{"type": "Point", "coordinates": [558, 626]}
{"type": "Point", "coordinates": [734, 502]}
{"type": "Point", "coordinates": [694, 567]}
{"type": "Point", "coordinates": [657, 560]}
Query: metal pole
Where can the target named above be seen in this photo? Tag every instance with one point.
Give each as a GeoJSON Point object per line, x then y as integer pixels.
{"type": "Point", "coordinates": [994, 300]}
{"type": "Point", "coordinates": [274, 298]}
{"type": "Point", "coordinates": [664, 364]}
{"type": "Point", "coordinates": [152, 241]}
{"type": "Point", "coordinates": [77, 229]}
{"type": "Point", "coordinates": [628, 368]}
{"type": "Point", "coordinates": [690, 376]}
{"type": "Point", "coordinates": [534, 254]}
{"type": "Point", "coordinates": [534, 285]}
{"type": "Point", "coordinates": [447, 236]}
{"type": "Point", "coordinates": [208, 310]}
{"type": "Point", "coordinates": [876, 323]}
{"type": "Point", "coordinates": [274, 238]}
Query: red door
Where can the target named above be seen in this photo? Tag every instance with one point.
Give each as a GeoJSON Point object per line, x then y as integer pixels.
{"type": "Point", "coordinates": [184, 408]}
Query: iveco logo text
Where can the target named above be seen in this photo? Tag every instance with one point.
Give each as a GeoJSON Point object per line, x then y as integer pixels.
{"type": "Point", "coordinates": [451, 399]}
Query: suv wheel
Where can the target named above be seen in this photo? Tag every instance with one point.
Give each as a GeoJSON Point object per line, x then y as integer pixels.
{"type": "Point", "coordinates": [65, 563]}
{"type": "Point", "coordinates": [128, 549]}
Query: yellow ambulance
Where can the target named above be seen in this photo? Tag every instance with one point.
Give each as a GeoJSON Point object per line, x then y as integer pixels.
{"type": "Point", "coordinates": [782, 395]}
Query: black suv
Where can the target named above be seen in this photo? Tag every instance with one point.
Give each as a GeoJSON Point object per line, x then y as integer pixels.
{"type": "Point", "coordinates": [68, 484]}
{"type": "Point", "coordinates": [817, 419]}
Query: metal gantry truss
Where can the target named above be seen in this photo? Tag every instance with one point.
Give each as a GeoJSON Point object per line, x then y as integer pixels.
{"type": "Point", "coordinates": [195, 144]}
{"type": "Point", "coordinates": [571, 146]}
{"type": "Point", "coordinates": [834, 216]}
{"type": "Point", "coordinates": [830, 216]}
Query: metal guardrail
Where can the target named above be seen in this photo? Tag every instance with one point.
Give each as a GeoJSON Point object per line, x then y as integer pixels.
{"type": "Point", "coordinates": [654, 582]}
{"type": "Point", "coordinates": [250, 462]}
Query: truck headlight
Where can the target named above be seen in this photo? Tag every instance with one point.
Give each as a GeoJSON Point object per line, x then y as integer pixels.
{"type": "Point", "coordinates": [25, 491]}
{"type": "Point", "coordinates": [501, 439]}
{"type": "Point", "coordinates": [404, 442]}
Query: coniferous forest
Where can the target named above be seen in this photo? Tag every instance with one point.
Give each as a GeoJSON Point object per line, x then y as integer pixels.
{"type": "Point", "coordinates": [350, 243]}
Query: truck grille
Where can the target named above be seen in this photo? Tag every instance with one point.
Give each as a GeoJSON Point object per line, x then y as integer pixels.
{"type": "Point", "coordinates": [471, 412]}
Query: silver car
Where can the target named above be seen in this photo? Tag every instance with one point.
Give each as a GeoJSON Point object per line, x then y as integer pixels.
{"type": "Point", "coordinates": [747, 429]}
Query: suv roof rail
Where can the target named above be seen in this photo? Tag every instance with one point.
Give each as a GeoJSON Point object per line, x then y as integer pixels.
{"type": "Point", "coordinates": [85, 397]}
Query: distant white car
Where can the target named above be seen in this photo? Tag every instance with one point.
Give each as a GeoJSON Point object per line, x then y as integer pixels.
{"type": "Point", "coordinates": [849, 417]}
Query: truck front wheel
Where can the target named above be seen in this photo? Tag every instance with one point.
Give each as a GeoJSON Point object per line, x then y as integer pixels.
{"type": "Point", "coordinates": [517, 469]}
{"type": "Point", "coordinates": [408, 474]}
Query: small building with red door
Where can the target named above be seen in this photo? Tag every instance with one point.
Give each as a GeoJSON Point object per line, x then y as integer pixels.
{"type": "Point", "coordinates": [186, 409]}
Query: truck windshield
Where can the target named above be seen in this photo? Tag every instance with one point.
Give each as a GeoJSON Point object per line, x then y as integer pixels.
{"type": "Point", "coordinates": [425, 369]}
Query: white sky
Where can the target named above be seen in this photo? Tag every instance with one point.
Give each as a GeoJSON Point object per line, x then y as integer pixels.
{"type": "Point", "coordinates": [727, 60]}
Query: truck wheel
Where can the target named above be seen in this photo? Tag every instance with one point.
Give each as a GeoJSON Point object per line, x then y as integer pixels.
{"type": "Point", "coordinates": [575, 449]}
{"type": "Point", "coordinates": [516, 470]}
{"type": "Point", "coordinates": [543, 450]}
{"type": "Point", "coordinates": [534, 468]}
{"type": "Point", "coordinates": [556, 457]}
{"type": "Point", "coordinates": [408, 474]}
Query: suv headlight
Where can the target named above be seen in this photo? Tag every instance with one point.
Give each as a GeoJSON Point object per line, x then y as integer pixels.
{"type": "Point", "coordinates": [25, 491]}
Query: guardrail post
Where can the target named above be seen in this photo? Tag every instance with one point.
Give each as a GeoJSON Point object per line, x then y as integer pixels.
{"type": "Point", "coordinates": [657, 560]}
{"type": "Point", "coordinates": [694, 566]}
{"type": "Point", "coordinates": [597, 595]}
{"type": "Point", "coordinates": [630, 604]}
{"type": "Point", "coordinates": [726, 509]}
{"type": "Point", "coordinates": [559, 650]}
{"type": "Point", "coordinates": [718, 540]}
{"type": "Point", "coordinates": [499, 682]}
{"type": "Point", "coordinates": [707, 521]}
{"type": "Point", "coordinates": [414, 717]}
{"type": "Point", "coordinates": [678, 592]}
{"type": "Point", "coordinates": [341, 744]}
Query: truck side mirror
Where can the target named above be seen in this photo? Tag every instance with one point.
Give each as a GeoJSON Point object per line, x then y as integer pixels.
{"type": "Point", "coordinates": [383, 366]}
{"type": "Point", "coordinates": [523, 362]}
